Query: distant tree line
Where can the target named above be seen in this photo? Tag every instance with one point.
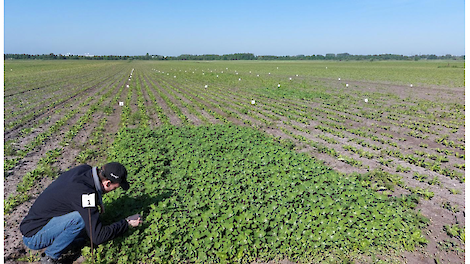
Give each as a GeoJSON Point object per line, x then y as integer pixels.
{"type": "Point", "coordinates": [235, 56]}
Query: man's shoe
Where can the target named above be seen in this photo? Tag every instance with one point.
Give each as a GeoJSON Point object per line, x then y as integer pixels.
{"type": "Point", "coordinates": [48, 260]}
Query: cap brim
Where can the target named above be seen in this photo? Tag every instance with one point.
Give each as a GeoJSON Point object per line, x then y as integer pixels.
{"type": "Point", "coordinates": [124, 185]}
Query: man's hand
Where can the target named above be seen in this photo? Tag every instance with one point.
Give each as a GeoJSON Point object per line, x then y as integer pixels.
{"type": "Point", "coordinates": [134, 220]}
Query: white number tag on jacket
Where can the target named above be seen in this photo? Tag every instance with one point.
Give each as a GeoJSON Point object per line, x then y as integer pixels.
{"type": "Point", "coordinates": [88, 200]}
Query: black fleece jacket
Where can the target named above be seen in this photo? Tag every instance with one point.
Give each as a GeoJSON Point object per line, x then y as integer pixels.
{"type": "Point", "coordinates": [64, 196]}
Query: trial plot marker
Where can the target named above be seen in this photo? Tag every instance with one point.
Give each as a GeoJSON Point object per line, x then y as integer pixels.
{"type": "Point", "coordinates": [88, 200]}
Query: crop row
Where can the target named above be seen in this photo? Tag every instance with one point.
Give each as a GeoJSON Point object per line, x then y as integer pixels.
{"type": "Point", "coordinates": [373, 137]}
{"type": "Point", "coordinates": [95, 147]}
{"type": "Point", "coordinates": [378, 134]}
{"type": "Point", "coordinates": [44, 167]}
{"type": "Point", "coordinates": [34, 105]}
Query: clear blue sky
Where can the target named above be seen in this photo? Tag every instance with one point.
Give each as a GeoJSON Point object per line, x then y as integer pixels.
{"type": "Point", "coordinates": [292, 27]}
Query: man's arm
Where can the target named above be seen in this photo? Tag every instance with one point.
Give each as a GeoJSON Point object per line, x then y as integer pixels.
{"type": "Point", "coordinates": [94, 227]}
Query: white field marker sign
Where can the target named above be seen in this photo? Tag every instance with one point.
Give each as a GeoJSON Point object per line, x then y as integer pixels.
{"type": "Point", "coordinates": [279, 85]}
{"type": "Point", "coordinates": [347, 85]}
{"type": "Point", "coordinates": [253, 102]}
{"type": "Point", "coordinates": [121, 103]}
{"type": "Point", "coordinates": [365, 100]}
{"type": "Point", "coordinates": [88, 200]}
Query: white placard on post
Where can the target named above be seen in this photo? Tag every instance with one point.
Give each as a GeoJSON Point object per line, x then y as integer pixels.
{"type": "Point", "coordinates": [88, 200]}
{"type": "Point", "coordinates": [121, 103]}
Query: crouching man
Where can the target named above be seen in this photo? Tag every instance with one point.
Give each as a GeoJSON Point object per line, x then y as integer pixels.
{"type": "Point", "coordinates": [68, 208]}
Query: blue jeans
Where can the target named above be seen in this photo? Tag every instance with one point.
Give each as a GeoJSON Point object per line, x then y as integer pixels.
{"type": "Point", "coordinates": [57, 234]}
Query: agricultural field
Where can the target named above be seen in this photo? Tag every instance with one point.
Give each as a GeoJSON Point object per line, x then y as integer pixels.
{"type": "Point", "coordinates": [249, 161]}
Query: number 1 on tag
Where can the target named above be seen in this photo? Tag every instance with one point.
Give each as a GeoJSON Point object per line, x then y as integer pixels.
{"type": "Point", "coordinates": [88, 200]}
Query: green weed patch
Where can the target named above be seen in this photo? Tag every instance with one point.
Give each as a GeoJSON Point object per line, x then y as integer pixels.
{"type": "Point", "coordinates": [224, 194]}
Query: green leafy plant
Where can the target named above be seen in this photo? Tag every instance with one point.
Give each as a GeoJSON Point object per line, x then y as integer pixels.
{"type": "Point", "coordinates": [231, 194]}
{"type": "Point", "coordinates": [9, 148]}
{"type": "Point", "coordinates": [420, 177]}
{"type": "Point", "coordinates": [31, 257]}
{"type": "Point", "coordinates": [402, 169]}
{"type": "Point", "coordinates": [455, 230]}
{"type": "Point", "coordinates": [454, 191]}
{"type": "Point", "coordinates": [108, 110]}
{"type": "Point", "coordinates": [426, 193]}
{"type": "Point", "coordinates": [450, 207]}
{"type": "Point", "coordinates": [448, 245]}
{"type": "Point", "coordinates": [434, 181]}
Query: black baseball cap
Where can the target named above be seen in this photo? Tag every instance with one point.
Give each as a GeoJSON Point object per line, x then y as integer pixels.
{"type": "Point", "coordinates": [116, 172]}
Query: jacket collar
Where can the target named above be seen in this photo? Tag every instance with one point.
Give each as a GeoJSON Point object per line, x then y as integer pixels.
{"type": "Point", "coordinates": [96, 179]}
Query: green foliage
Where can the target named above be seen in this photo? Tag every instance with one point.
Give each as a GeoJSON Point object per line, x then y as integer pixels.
{"type": "Point", "coordinates": [328, 139]}
{"type": "Point", "coordinates": [43, 170]}
{"type": "Point", "coordinates": [314, 103]}
{"type": "Point", "coordinates": [402, 169]}
{"type": "Point", "coordinates": [108, 110]}
{"type": "Point", "coordinates": [453, 208]}
{"type": "Point", "coordinates": [434, 181]}
{"type": "Point", "coordinates": [31, 257]}
{"type": "Point", "coordinates": [454, 191]}
{"type": "Point", "coordinates": [380, 180]}
{"type": "Point", "coordinates": [9, 149]}
{"type": "Point", "coordinates": [288, 143]}
{"type": "Point", "coordinates": [230, 194]}
{"type": "Point", "coordinates": [135, 118]}
{"type": "Point", "coordinates": [85, 155]}
{"type": "Point", "coordinates": [420, 177]}
{"type": "Point", "coordinates": [426, 193]}
{"type": "Point", "coordinates": [455, 231]}
{"type": "Point", "coordinates": [449, 245]}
